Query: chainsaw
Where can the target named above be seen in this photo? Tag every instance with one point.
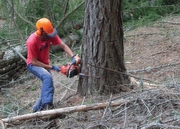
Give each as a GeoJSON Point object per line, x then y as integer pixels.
{"type": "Point", "coordinates": [70, 70]}
{"type": "Point", "coordinates": [73, 69]}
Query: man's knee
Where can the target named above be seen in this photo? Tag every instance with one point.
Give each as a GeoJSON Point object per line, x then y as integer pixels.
{"type": "Point", "coordinates": [47, 77]}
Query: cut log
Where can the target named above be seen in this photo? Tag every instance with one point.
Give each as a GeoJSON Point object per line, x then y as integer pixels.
{"type": "Point", "coordinates": [11, 63]}
{"type": "Point", "coordinates": [2, 54]}
{"type": "Point", "coordinates": [58, 112]}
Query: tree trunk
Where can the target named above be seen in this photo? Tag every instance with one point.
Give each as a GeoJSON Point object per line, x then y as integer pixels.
{"type": "Point", "coordinates": [102, 46]}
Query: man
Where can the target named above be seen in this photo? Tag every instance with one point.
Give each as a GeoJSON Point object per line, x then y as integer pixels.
{"type": "Point", "coordinates": [38, 62]}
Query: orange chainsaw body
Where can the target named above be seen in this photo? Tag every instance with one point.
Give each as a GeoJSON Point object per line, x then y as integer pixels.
{"type": "Point", "coordinates": [72, 69]}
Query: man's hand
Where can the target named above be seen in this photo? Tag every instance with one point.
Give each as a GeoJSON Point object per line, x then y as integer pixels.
{"type": "Point", "coordinates": [55, 68]}
{"type": "Point", "coordinates": [76, 60]}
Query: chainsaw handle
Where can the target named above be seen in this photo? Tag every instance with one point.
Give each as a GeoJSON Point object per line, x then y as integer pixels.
{"type": "Point", "coordinates": [75, 59]}
{"type": "Point", "coordinates": [68, 72]}
{"type": "Point", "coordinates": [55, 68]}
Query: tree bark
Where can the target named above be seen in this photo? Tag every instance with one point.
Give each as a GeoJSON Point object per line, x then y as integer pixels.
{"type": "Point", "coordinates": [102, 46]}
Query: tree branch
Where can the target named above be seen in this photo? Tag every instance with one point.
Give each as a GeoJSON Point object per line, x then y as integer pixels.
{"type": "Point", "coordinates": [174, 23]}
{"type": "Point", "coordinates": [59, 112]}
{"type": "Point", "coordinates": [20, 15]}
{"type": "Point", "coordinates": [69, 14]}
{"type": "Point", "coordinates": [65, 8]}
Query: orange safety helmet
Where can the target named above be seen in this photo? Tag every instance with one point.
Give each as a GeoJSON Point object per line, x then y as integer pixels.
{"type": "Point", "coordinates": [45, 25]}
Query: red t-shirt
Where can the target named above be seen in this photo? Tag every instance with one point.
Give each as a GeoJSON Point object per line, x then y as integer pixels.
{"type": "Point", "coordinates": [40, 49]}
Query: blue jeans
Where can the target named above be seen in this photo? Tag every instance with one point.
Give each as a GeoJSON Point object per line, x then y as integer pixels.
{"type": "Point", "coordinates": [47, 89]}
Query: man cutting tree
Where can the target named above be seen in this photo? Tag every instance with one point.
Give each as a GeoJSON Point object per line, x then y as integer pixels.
{"type": "Point", "coordinates": [38, 62]}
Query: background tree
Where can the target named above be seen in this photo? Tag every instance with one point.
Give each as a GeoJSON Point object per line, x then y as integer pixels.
{"type": "Point", "coordinates": [102, 47]}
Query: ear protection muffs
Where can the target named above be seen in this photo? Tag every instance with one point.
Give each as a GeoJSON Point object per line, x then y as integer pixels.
{"type": "Point", "coordinates": [39, 32]}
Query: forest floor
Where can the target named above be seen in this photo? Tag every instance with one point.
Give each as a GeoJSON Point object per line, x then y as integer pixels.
{"type": "Point", "coordinates": [152, 54]}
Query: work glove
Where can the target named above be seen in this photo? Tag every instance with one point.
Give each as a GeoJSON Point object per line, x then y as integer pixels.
{"type": "Point", "coordinates": [56, 68]}
{"type": "Point", "coordinates": [76, 60]}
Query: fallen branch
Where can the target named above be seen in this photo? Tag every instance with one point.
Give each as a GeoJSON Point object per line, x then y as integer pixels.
{"type": "Point", "coordinates": [118, 72]}
{"type": "Point", "coordinates": [148, 69]}
{"type": "Point", "coordinates": [2, 125]}
{"type": "Point", "coordinates": [142, 34]}
{"type": "Point", "coordinates": [173, 23]}
{"type": "Point", "coordinates": [159, 125]}
{"type": "Point", "coordinates": [18, 53]}
{"type": "Point", "coordinates": [59, 112]}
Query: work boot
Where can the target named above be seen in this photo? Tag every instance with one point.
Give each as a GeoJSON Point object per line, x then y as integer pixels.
{"type": "Point", "coordinates": [48, 106]}
{"type": "Point", "coordinates": [36, 108]}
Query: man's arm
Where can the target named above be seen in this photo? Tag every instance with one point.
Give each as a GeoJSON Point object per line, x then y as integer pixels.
{"type": "Point", "coordinates": [75, 58]}
{"type": "Point", "coordinates": [35, 62]}
{"type": "Point", "coordinates": [66, 49]}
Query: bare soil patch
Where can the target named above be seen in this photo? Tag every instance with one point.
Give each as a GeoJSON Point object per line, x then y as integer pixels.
{"type": "Point", "coordinates": [151, 53]}
{"type": "Point", "coordinates": [154, 48]}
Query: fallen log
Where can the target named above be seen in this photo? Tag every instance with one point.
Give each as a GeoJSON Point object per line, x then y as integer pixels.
{"type": "Point", "coordinates": [58, 112]}
{"type": "Point", "coordinates": [12, 64]}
